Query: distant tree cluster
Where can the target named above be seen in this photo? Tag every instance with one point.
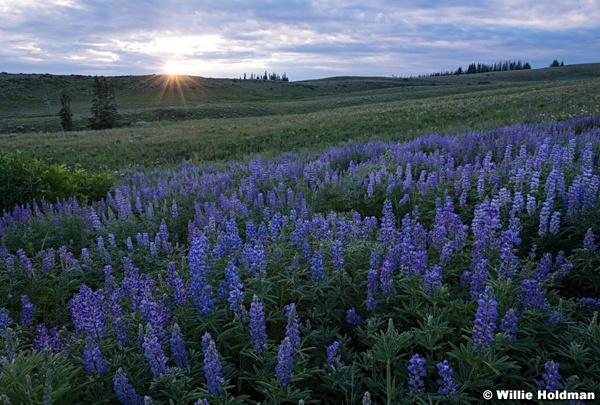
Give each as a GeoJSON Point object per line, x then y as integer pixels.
{"type": "Point", "coordinates": [274, 77]}
{"type": "Point", "coordinates": [555, 63]}
{"type": "Point", "coordinates": [485, 68]}
{"type": "Point", "coordinates": [104, 109]}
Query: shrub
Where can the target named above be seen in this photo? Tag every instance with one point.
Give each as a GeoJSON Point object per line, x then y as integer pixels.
{"type": "Point", "coordinates": [24, 179]}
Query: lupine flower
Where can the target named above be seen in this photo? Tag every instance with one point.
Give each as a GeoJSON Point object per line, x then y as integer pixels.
{"type": "Point", "coordinates": [432, 280]}
{"type": "Point", "coordinates": [337, 254]}
{"type": "Point", "coordinates": [589, 242]}
{"type": "Point", "coordinates": [549, 381]}
{"type": "Point", "coordinates": [5, 320]}
{"type": "Point", "coordinates": [478, 276]}
{"type": "Point", "coordinates": [372, 289]}
{"type": "Point", "coordinates": [316, 267]}
{"type": "Point", "coordinates": [26, 262]}
{"type": "Point", "coordinates": [258, 327]}
{"type": "Point", "coordinates": [285, 361]}
{"type": "Point", "coordinates": [508, 325]}
{"type": "Point", "coordinates": [484, 325]}
{"type": "Point", "coordinates": [125, 391]}
{"type": "Point", "coordinates": [332, 358]}
{"type": "Point", "coordinates": [9, 261]}
{"type": "Point", "coordinates": [93, 361]}
{"type": "Point", "coordinates": [87, 310]}
{"type": "Point", "coordinates": [532, 294]}
{"type": "Point", "coordinates": [154, 353]}
{"type": "Point", "coordinates": [587, 303]}
{"type": "Point", "coordinates": [27, 312]}
{"type": "Point", "coordinates": [180, 293]}
{"type": "Point", "coordinates": [416, 373]}
{"type": "Point", "coordinates": [353, 318]}
{"type": "Point", "coordinates": [48, 261]}
{"type": "Point", "coordinates": [554, 223]}
{"type": "Point", "coordinates": [386, 277]}
{"type": "Point", "coordinates": [292, 330]}
{"type": "Point", "coordinates": [212, 366]}
{"type": "Point", "coordinates": [446, 386]}
{"type": "Point", "coordinates": [180, 354]}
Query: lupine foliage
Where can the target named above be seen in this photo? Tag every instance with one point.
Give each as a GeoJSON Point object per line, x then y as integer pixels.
{"type": "Point", "coordinates": [382, 272]}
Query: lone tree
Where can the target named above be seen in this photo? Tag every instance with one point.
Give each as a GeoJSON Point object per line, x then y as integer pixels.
{"type": "Point", "coordinates": [65, 113]}
{"type": "Point", "coordinates": [104, 109]}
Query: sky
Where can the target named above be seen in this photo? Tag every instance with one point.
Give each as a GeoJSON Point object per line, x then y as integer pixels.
{"type": "Point", "coordinates": [302, 38]}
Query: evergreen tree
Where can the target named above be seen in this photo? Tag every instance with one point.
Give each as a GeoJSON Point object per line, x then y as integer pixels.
{"type": "Point", "coordinates": [65, 113]}
{"type": "Point", "coordinates": [104, 109]}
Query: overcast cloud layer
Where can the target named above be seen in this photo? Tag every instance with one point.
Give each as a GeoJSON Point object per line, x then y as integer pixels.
{"type": "Point", "coordinates": [306, 39]}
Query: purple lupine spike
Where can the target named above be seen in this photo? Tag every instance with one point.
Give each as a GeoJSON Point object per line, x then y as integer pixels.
{"type": "Point", "coordinates": [180, 293]}
{"type": "Point", "coordinates": [258, 327]}
{"type": "Point", "coordinates": [87, 310]}
{"type": "Point", "coordinates": [531, 293]}
{"type": "Point", "coordinates": [234, 286]}
{"type": "Point", "coordinates": [157, 315]}
{"type": "Point", "coordinates": [484, 325]}
{"type": "Point", "coordinates": [372, 289]}
{"type": "Point", "coordinates": [353, 318]}
{"type": "Point", "coordinates": [154, 353]}
{"type": "Point", "coordinates": [26, 262]}
{"type": "Point", "coordinates": [9, 262]}
{"type": "Point", "coordinates": [93, 362]}
{"type": "Point", "coordinates": [337, 254]}
{"type": "Point", "coordinates": [446, 386]}
{"type": "Point", "coordinates": [333, 358]}
{"type": "Point", "coordinates": [180, 353]}
{"type": "Point", "coordinates": [550, 379]}
{"type": "Point", "coordinates": [508, 325]}
{"type": "Point", "coordinates": [212, 366]}
{"type": "Point", "coordinates": [416, 373]}
{"type": "Point", "coordinates": [27, 311]}
{"type": "Point", "coordinates": [554, 226]}
{"type": "Point", "coordinates": [285, 361]}
{"type": "Point", "coordinates": [316, 267]}
{"type": "Point", "coordinates": [478, 277]}
{"type": "Point", "coordinates": [432, 280]}
{"type": "Point", "coordinates": [386, 276]}
{"type": "Point", "coordinates": [5, 320]}
{"type": "Point", "coordinates": [292, 330]}
{"type": "Point", "coordinates": [48, 261]}
{"type": "Point", "coordinates": [589, 242]}
{"type": "Point", "coordinates": [125, 391]}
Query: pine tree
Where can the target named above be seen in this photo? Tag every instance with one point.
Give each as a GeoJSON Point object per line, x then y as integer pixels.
{"type": "Point", "coordinates": [104, 110]}
{"type": "Point", "coordinates": [65, 113]}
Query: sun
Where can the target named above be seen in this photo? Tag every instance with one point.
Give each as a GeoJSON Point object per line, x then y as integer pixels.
{"type": "Point", "coordinates": [175, 68]}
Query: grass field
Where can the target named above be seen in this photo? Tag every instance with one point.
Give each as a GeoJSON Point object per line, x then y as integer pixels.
{"type": "Point", "coordinates": [199, 119]}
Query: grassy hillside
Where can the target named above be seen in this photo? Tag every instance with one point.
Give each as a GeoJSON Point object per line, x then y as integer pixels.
{"type": "Point", "coordinates": [193, 118]}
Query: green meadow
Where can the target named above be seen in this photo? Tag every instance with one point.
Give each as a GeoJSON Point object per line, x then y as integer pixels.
{"type": "Point", "coordinates": [198, 119]}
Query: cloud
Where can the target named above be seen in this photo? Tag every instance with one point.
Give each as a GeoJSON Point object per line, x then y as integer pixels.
{"type": "Point", "coordinates": [301, 37]}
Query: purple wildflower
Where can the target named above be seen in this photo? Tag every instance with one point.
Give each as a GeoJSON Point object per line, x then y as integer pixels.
{"type": "Point", "coordinates": [285, 361]}
{"type": "Point", "coordinates": [180, 293]}
{"type": "Point", "coordinates": [417, 372]}
{"type": "Point", "coordinates": [154, 353]}
{"type": "Point", "coordinates": [212, 366]}
{"type": "Point", "coordinates": [554, 223]}
{"type": "Point", "coordinates": [258, 327]}
{"type": "Point", "coordinates": [27, 311]}
{"type": "Point", "coordinates": [353, 318]}
{"type": "Point", "coordinates": [316, 267]}
{"type": "Point", "coordinates": [93, 361]}
{"type": "Point", "coordinates": [386, 277]}
{"type": "Point", "coordinates": [292, 330]}
{"type": "Point", "coordinates": [337, 254]}
{"type": "Point", "coordinates": [508, 325]}
{"type": "Point", "coordinates": [549, 381]}
{"type": "Point", "coordinates": [532, 294]}
{"type": "Point", "coordinates": [5, 319]}
{"type": "Point", "coordinates": [125, 391]}
{"type": "Point", "coordinates": [485, 321]}
{"type": "Point", "coordinates": [26, 262]}
{"type": "Point", "coordinates": [432, 280]}
{"type": "Point", "coordinates": [446, 386]}
{"type": "Point", "coordinates": [180, 354]}
{"type": "Point", "coordinates": [87, 310]}
{"type": "Point", "coordinates": [332, 358]}
{"type": "Point", "coordinates": [589, 242]}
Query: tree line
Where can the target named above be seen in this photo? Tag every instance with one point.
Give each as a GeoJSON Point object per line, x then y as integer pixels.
{"type": "Point", "coordinates": [274, 77]}
{"type": "Point", "coordinates": [474, 68]}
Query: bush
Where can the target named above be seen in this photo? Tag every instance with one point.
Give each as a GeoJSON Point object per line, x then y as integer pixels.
{"type": "Point", "coordinates": [24, 179]}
